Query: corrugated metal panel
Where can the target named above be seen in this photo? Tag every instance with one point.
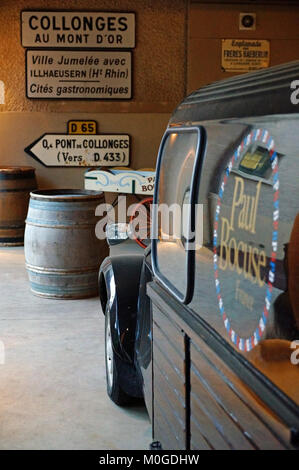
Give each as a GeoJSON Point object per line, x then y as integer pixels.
{"type": "Point", "coordinates": [264, 92]}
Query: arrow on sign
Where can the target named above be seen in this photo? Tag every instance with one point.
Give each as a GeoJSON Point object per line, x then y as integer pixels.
{"type": "Point", "coordinates": [67, 150]}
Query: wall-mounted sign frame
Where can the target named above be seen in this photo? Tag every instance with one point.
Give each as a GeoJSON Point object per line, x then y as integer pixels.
{"type": "Point", "coordinates": [78, 29]}
{"type": "Point", "coordinates": [72, 74]}
{"type": "Point", "coordinates": [245, 55]}
{"type": "Point", "coordinates": [69, 150]}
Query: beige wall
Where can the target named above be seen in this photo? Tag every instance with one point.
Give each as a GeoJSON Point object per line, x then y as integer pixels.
{"type": "Point", "coordinates": [169, 33]}
{"type": "Point", "coordinates": [209, 23]}
{"type": "Point", "coordinates": [158, 58]}
{"type": "Point", "coordinates": [159, 78]}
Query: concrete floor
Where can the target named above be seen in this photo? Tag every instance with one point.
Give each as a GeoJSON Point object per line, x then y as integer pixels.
{"type": "Point", "coordinates": [52, 384]}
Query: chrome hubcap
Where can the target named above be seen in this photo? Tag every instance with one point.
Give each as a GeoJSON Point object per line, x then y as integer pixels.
{"type": "Point", "coordinates": [109, 352]}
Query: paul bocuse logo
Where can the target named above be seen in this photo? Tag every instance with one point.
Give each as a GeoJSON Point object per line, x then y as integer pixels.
{"type": "Point", "coordinates": [245, 260]}
{"type": "Point", "coordinates": [253, 258]}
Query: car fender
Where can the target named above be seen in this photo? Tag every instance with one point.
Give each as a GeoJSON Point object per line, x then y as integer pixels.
{"type": "Point", "coordinates": [119, 278]}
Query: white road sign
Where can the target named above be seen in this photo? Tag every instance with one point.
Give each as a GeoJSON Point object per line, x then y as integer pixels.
{"type": "Point", "coordinates": [78, 29]}
{"type": "Point", "coordinates": [65, 74]}
{"type": "Point", "coordinates": [81, 150]}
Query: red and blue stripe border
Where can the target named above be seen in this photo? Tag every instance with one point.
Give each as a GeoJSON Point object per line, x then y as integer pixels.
{"type": "Point", "coordinates": [246, 344]}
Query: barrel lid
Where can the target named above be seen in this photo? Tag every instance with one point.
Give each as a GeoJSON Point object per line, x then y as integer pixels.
{"type": "Point", "coordinates": [16, 172]}
{"type": "Point", "coordinates": [16, 169]}
{"type": "Point", "coordinates": [66, 195]}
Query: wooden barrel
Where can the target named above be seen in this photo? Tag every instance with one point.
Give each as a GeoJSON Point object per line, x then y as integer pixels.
{"type": "Point", "coordinates": [62, 252]}
{"type": "Point", "coordinates": [15, 186]}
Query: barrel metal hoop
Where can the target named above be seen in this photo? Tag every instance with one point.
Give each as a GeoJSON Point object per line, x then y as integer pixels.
{"type": "Point", "coordinates": [12, 240]}
{"type": "Point", "coordinates": [60, 206]}
{"type": "Point", "coordinates": [61, 272]}
{"type": "Point", "coordinates": [56, 225]}
{"type": "Point", "coordinates": [36, 290]}
{"type": "Point", "coordinates": [17, 243]}
{"type": "Point", "coordinates": [16, 190]}
{"type": "Point", "coordinates": [12, 226]}
{"type": "Point", "coordinates": [60, 199]}
{"type": "Point", "coordinates": [18, 176]}
{"type": "Point", "coordinates": [55, 289]}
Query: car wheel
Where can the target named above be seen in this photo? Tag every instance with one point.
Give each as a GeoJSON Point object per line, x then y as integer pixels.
{"type": "Point", "coordinates": [113, 367]}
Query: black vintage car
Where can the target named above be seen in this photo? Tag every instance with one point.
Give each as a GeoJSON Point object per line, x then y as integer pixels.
{"type": "Point", "coordinates": [205, 323]}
